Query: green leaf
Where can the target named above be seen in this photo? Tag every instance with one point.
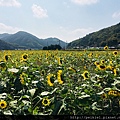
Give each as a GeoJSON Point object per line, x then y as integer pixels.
{"type": "Point", "coordinates": [100, 93]}
{"type": "Point", "coordinates": [32, 91]}
{"type": "Point", "coordinates": [57, 107]}
{"type": "Point", "coordinates": [84, 96]}
{"type": "Point", "coordinates": [8, 112]}
{"type": "Point", "coordinates": [13, 104]}
{"type": "Point", "coordinates": [45, 93]}
{"type": "Point", "coordinates": [3, 95]}
{"type": "Point", "coordinates": [94, 106]}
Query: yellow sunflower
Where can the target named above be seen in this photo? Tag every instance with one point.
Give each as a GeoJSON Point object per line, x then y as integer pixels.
{"type": "Point", "coordinates": [3, 104]}
{"type": "Point", "coordinates": [46, 102]}
{"type": "Point", "coordinates": [59, 76]}
{"type": "Point", "coordinates": [104, 96]}
{"type": "Point", "coordinates": [115, 53]}
{"type": "Point", "coordinates": [113, 93]}
{"type": "Point", "coordinates": [24, 57]}
{"type": "Point", "coordinates": [102, 67]}
{"type": "Point", "coordinates": [22, 79]}
{"type": "Point", "coordinates": [50, 80]}
{"type": "Point", "coordinates": [96, 63]}
{"type": "Point", "coordinates": [85, 75]}
{"type": "Point", "coordinates": [102, 61]}
{"type": "Point", "coordinates": [115, 72]}
{"type": "Point", "coordinates": [59, 61]}
{"type": "Point", "coordinates": [6, 57]}
{"type": "Point", "coordinates": [106, 48]}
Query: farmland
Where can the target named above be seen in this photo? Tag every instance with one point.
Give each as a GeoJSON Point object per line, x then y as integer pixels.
{"type": "Point", "coordinates": [37, 82]}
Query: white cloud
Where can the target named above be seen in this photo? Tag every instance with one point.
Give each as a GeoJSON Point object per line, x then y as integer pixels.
{"type": "Point", "coordinates": [76, 33]}
{"type": "Point", "coordinates": [7, 29]}
{"type": "Point", "coordinates": [116, 15]}
{"type": "Point", "coordinates": [38, 11]}
{"type": "Point", "coordinates": [8, 3]}
{"type": "Point", "coordinates": [80, 32]}
{"type": "Point", "coordinates": [85, 2]}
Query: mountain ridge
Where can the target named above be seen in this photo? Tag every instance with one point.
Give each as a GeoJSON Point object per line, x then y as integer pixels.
{"type": "Point", "coordinates": [109, 36]}
{"type": "Point", "coordinates": [25, 40]}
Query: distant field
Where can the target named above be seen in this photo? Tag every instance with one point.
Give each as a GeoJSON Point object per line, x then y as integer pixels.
{"type": "Point", "coordinates": [60, 82]}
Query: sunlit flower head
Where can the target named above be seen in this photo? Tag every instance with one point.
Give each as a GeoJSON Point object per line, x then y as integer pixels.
{"type": "Point", "coordinates": [115, 72]}
{"type": "Point", "coordinates": [102, 61]}
{"type": "Point", "coordinates": [6, 57]}
{"type": "Point", "coordinates": [90, 54]}
{"type": "Point", "coordinates": [96, 63]}
{"type": "Point", "coordinates": [24, 57]}
{"type": "Point", "coordinates": [3, 104]}
{"type": "Point", "coordinates": [46, 102]}
{"type": "Point", "coordinates": [85, 75]}
{"type": "Point", "coordinates": [59, 76]}
{"type": "Point", "coordinates": [59, 61]}
{"type": "Point", "coordinates": [50, 79]}
{"type": "Point", "coordinates": [110, 67]}
{"type": "Point", "coordinates": [106, 48]}
{"type": "Point", "coordinates": [115, 53]}
{"type": "Point", "coordinates": [102, 67]}
{"type": "Point", "coordinates": [113, 93]}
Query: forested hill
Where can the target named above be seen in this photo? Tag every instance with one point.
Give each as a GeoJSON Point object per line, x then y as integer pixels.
{"type": "Point", "coordinates": [109, 36]}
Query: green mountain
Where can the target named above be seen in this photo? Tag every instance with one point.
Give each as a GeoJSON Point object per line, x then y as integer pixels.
{"type": "Point", "coordinates": [24, 40]}
{"type": "Point", "coordinates": [109, 36]}
{"type": "Point", "coordinates": [6, 46]}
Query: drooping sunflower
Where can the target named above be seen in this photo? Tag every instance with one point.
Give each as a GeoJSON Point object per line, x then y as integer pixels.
{"type": "Point", "coordinates": [6, 57]}
{"type": "Point", "coordinates": [106, 48]}
{"type": "Point", "coordinates": [3, 104]}
{"type": "Point", "coordinates": [115, 71]}
{"type": "Point", "coordinates": [85, 75]}
{"type": "Point", "coordinates": [59, 61]}
{"type": "Point", "coordinates": [59, 76]}
{"type": "Point", "coordinates": [46, 102]}
{"type": "Point", "coordinates": [115, 53]}
{"type": "Point", "coordinates": [50, 80]}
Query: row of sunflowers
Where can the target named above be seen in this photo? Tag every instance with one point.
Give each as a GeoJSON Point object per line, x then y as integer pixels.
{"type": "Point", "coordinates": [37, 82]}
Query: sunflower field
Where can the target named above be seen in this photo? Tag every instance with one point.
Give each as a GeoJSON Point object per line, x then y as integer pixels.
{"type": "Point", "coordinates": [37, 82]}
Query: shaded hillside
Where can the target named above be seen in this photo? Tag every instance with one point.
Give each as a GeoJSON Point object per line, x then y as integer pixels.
{"type": "Point", "coordinates": [6, 46]}
{"type": "Point", "coordinates": [109, 36]}
{"type": "Point", "coordinates": [4, 35]}
{"type": "Point", "coordinates": [55, 41]}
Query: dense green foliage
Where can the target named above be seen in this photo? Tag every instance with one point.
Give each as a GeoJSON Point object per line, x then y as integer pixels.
{"type": "Point", "coordinates": [52, 47]}
{"type": "Point", "coordinates": [53, 82]}
{"type": "Point", "coordinates": [109, 36]}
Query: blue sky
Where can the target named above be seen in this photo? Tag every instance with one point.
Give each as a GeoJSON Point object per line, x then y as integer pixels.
{"type": "Point", "coordinates": [65, 19]}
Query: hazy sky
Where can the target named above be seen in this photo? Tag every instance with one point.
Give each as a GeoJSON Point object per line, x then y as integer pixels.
{"type": "Point", "coordinates": [65, 19]}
